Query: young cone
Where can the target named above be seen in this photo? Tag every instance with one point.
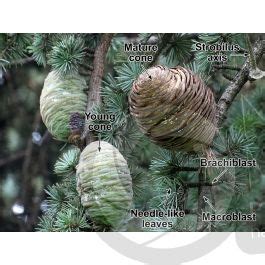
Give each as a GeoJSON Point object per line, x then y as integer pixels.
{"type": "Point", "coordinates": [104, 184]}
{"type": "Point", "coordinates": [62, 98]}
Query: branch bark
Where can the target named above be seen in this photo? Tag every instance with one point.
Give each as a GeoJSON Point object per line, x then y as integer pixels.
{"type": "Point", "coordinates": [228, 67]}
{"type": "Point", "coordinates": [235, 86]}
{"type": "Point", "coordinates": [201, 203]}
{"type": "Point", "coordinates": [198, 184]}
{"type": "Point", "coordinates": [187, 169]}
{"type": "Point", "coordinates": [93, 97]}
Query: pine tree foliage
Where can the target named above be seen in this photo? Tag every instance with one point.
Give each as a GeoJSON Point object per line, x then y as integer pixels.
{"type": "Point", "coordinates": [64, 210]}
{"type": "Point", "coordinates": [67, 54]}
{"type": "Point", "coordinates": [201, 56]}
{"type": "Point", "coordinates": [67, 162]}
{"type": "Point", "coordinates": [115, 100]}
{"type": "Point", "coordinates": [14, 46]}
{"type": "Point", "coordinates": [164, 170]}
{"type": "Point", "coordinates": [160, 177]}
{"type": "Point", "coordinates": [179, 49]}
{"type": "Point", "coordinates": [41, 45]}
{"type": "Point", "coordinates": [127, 74]}
{"type": "Point", "coordinates": [116, 54]}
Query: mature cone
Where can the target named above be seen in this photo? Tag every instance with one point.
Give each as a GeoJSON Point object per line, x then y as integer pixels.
{"type": "Point", "coordinates": [62, 98]}
{"type": "Point", "coordinates": [174, 108]}
{"type": "Point", "coordinates": [104, 184]}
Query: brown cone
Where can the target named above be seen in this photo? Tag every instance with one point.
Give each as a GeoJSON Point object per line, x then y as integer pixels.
{"type": "Point", "coordinates": [174, 108]}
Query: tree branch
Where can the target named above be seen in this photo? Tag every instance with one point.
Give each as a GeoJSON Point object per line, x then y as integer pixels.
{"type": "Point", "coordinates": [187, 169]}
{"type": "Point", "coordinates": [228, 77]}
{"type": "Point", "coordinates": [18, 62]}
{"type": "Point", "coordinates": [93, 97]}
{"type": "Point", "coordinates": [234, 87]}
{"type": "Point", "coordinates": [228, 67]}
{"type": "Point", "coordinates": [201, 202]}
{"type": "Point", "coordinates": [12, 158]}
{"type": "Point", "coordinates": [198, 184]}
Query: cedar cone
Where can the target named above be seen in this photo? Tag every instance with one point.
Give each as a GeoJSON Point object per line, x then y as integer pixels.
{"type": "Point", "coordinates": [104, 184]}
{"type": "Point", "coordinates": [174, 108]}
{"type": "Point", "coordinates": [62, 100]}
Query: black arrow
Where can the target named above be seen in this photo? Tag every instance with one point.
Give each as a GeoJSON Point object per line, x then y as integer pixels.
{"type": "Point", "coordinates": [99, 147]}
{"type": "Point", "coordinates": [144, 69]}
{"type": "Point", "coordinates": [150, 77]}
